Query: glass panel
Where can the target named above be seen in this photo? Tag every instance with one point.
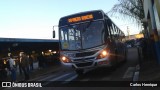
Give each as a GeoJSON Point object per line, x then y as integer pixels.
{"type": "Point", "coordinates": [82, 36]}
{"type": "Point", "coordinates": [64, 38]}
{"type": "Point", "coordinates": [92, 36]}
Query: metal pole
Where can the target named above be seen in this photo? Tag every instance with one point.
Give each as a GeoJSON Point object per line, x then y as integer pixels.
{"type": "Point", "coordinates": [139, 56]}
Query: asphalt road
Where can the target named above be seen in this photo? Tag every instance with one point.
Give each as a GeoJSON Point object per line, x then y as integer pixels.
{"type": "Point", "coordinates": [123, 72]}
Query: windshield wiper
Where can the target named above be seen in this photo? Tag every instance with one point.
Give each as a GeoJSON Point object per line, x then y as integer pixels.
{"type": "Point", "coordinates": [88, 25]}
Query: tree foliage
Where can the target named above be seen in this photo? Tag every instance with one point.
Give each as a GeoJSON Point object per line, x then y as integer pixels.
{"type": "Point", "coordinates": [128, 9]}
{"type": "Point", "coordinates": [142, 32]}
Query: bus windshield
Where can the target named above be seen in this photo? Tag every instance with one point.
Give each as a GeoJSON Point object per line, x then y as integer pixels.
{"type": "Point", "coordinates": [82, 36]}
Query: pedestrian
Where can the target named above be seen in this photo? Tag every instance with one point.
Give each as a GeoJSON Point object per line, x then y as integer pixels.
{"type": "Point", "coordinates": [152, 48]}
{"type": "Point", "coordinates": [5, 67]}
{"type": "Point", "coordinates": [12, 68]}
{"type": "Point", "coordinates": [3, 72]}
{"type": "Point", "coordinates": [144, 48]}
{"type": "Point", "coordinates": [20, 67]}
{"type": "Point", "coordinates": [44, 61]}
{"type": "Point", "coordinates": [24, 62]}
{"type": "Point", "coordinates": [30, 63]}
{"type": "Point", "coordinates": [40, 61]}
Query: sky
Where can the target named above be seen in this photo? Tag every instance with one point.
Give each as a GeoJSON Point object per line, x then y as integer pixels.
{"type": "Point", "coordinates": [35, 19]}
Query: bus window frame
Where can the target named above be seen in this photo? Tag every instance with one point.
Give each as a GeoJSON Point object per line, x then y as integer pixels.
{"type": "Point", "coordinates": [112, 31]}
{"type": "Point", "coordinates": [107, 31]}
{"type": "Point", "coordinates": [107, 25]}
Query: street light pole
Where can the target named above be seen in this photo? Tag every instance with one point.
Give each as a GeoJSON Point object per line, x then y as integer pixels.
{"type": "Point", "coordinates": [128, 32]}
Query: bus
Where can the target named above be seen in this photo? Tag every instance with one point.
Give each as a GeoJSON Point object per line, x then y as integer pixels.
{"type": "Point", "coordinates": [90, 40]}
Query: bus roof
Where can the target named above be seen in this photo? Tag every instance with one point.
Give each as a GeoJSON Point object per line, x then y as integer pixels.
{"type": "Point", "coordinates": [81, 17]}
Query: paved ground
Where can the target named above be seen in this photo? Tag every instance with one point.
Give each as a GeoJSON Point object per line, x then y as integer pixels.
{"type": "Point", "coordinates": [37, 72]}
{"type": "Point", "coordinates": [150, 71]}
{"type": "Point", "coordinates": [124, 72]}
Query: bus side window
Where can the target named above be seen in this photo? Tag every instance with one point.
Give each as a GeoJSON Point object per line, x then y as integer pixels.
{"type": "Point", "coordinates": [107, 31]}
{"type": "Point", "coordinates": [118, 34]}
{"type": "Point", "coordinates": [112, 32]}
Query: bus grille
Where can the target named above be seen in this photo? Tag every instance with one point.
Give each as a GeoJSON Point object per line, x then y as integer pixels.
{"type": "Point", "coordinates": [83, 54]}
{"type": "Point", "coordinates": [90, 58]}
{"type": "Point", "coordinates": [84, 64]}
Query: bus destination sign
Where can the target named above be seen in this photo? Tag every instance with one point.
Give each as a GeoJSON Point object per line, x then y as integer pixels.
{"type": "Point", "coordinates": [80, 18]}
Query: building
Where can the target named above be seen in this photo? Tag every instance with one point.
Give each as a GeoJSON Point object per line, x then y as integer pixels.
{"type": "Point", "coordinates": [152, 22]}
{"type": "Point", "coordinates": [17, 45]}
{"type": "Point", "coordinates": [135, 36]}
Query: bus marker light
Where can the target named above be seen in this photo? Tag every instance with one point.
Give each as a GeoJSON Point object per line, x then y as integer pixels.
{"type": "Point", "coordinates": [65, 59]}
{"type": "Point", "coordinates": [103, 54]}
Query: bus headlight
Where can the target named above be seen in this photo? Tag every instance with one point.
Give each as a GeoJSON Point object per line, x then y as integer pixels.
{"type": "Point", "coordinates": [103, 54]}
{"type": "Point", "coordinates": [65, 59]}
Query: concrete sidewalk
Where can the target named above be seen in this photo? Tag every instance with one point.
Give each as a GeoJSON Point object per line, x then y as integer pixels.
{"type": "Point", "coordinates": [149, 71]}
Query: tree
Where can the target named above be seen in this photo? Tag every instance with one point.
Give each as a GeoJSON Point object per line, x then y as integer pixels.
{"type": "Point", "coordinates": [128, 9]}
{"type": "Point", "coordinates": [142, 32]}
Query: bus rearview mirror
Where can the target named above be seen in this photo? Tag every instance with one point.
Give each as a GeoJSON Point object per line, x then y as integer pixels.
{"type": "Point", "coordinates": [54, 34]}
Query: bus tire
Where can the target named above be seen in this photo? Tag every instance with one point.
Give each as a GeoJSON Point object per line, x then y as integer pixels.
{"type": "Point", "coordinates": [80, 72]}
{"type": "Point", "coordinates": [114, 62]}
{"type": "Point", "coordinates": [125, 56]}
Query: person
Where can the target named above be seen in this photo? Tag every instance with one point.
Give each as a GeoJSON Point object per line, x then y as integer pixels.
{"type": "Point", "coordinates": [30, 62]}
{"type": "Point", "coordinates": [3, 72]}
{"type": "Point", "coordinates": [20, 67]}
{"type": "Point", "coordinates": [40, 61]}
{"type": "Point", "coordinates": [152, 48]}
{"type": "Point", "coordinates": [1, 69]}
{"type": "Point", "coordinates": [12, 68]}
{"type": "Point", "coordinates": [24, 62]}
{"type": "Point", "coordinates": [144, 48]}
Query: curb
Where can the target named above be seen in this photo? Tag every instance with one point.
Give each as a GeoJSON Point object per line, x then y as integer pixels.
{"type": "Point", "coordinates": [136, 77]}
{"type": "Point", "coordinates": [136, 73]}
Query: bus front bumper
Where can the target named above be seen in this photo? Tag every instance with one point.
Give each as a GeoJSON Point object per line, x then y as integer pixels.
{"type": "Point", "coordinates": [89, 64]}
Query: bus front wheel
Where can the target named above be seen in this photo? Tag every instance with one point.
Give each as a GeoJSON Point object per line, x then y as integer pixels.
{"type": "Point", "coordinates": [125, 56]}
